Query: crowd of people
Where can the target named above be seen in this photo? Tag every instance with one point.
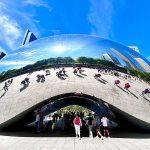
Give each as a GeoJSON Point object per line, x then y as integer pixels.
{"type": "Point", "coordinates": [78, 123]}
{"type": "Point", "coordinates": [80, 72]}
{"type": "Point", "coordinates": [117, 74]}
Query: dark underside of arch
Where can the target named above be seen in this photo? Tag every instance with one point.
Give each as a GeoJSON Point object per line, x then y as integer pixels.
{"type": "Point", "coordinates": [57, 102]}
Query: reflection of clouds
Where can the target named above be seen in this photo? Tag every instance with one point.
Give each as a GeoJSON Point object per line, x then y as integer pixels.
{"type": "Point", "coordinates": [28, 53]}
{"type": "Point", "coordinates": [15, 63]}
{"type": "Point", "coordinates": [14, 19]}
{"type": "Point", "coordinates": [10, 30]}
{"type": "Point", "coordinates": [24, 54]}
{"type": "Point", "coordinates": [38, 3]}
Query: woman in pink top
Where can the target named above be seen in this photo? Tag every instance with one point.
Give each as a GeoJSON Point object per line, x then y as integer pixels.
{"type": "Point", "coordinates": [77, 124]}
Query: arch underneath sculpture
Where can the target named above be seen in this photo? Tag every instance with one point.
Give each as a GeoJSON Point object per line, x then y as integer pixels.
{"type": "Point", "coordinates": [57, 102]}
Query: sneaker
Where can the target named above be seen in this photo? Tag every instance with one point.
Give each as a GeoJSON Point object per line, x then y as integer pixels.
{"type": "Point", "coordinates": [97, 137]}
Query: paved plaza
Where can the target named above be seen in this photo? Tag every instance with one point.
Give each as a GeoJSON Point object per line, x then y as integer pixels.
{"type": "Point", "coordinates": [71, 143]}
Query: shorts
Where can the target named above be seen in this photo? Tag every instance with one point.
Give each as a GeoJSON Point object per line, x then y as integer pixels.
{"type": "Point", "coordinates": [105, 128]}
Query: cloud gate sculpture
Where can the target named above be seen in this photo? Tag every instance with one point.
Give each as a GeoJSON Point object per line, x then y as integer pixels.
{"type": "Point", "coordinates": [47, 84]}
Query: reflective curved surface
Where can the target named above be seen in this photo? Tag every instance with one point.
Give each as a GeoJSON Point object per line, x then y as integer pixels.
{"type": "Point", "coordinates": [74, 46]}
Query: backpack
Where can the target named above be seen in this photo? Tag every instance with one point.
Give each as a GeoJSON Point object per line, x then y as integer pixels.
{"type": "Point", "coordinates": [90, 119]}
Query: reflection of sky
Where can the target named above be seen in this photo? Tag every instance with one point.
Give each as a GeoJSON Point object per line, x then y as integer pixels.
{"type": "Point", "coordinates": [62, 46]}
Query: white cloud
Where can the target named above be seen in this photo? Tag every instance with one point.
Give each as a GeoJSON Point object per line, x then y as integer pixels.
{"type": "Point", "coordinates": [38, 3]}
{"type": "Point", "coordinates": [28, 53]}
{"type": "Point", "coordinates": [15, 63]}
{"type": "Point", "coordinates": [10, 30]}
{"type": "Point", "coordinates": [14, 20]}
{"type": "Point", "coordinates": [2, 5]}
{"type": "Point", "coordinates": [24, 55]}
{"type": "Point", "coordinates": [101, 17]}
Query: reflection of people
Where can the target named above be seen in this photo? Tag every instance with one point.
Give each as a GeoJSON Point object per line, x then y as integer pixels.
{"type": "Point", "coordinates": [90, 125]}
{"type": "Point", "coordinates": [117, 82]}
{"type": "Point", "coordinates": [127, 86]}
{"type": "Point", "coordinates": [104, 121]}
{"type": "Point", "coordinates": [5, 87]}
{"type": "Point", "coordinates": [37, 122]}
{"type": "Point", "coordinates": [77, 124]}
{"type": "Point", "coordinates": [146, 91]}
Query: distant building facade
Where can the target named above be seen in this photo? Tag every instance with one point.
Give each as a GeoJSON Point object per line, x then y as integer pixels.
{"type": "Point", "coordinates": [135, 48]}
{"type": "Point", "coordinates": [111, 58]}
{"type": "Point", "coordinates": [143, 63]}
{"type": "Point", "coordinates": [28, 37]}
{"type": "Point", "coordinates": [2, 54]}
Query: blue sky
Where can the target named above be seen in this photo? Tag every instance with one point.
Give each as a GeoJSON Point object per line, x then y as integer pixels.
{"type": "Point", "coordinates": [125, 21]}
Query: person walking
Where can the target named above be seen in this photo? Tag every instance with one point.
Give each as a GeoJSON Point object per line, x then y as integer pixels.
{"type": "Point", "coordinates": [104, 121]}
{"type": "Point", "coordinates": [77, 124]}
{"type": "Point", "coordinates": [98, 125]}
{"type": "Point", "coordinates": [5, 87]}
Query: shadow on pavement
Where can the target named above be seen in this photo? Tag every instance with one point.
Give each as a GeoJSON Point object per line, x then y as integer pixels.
{"type": "Point", "coordinates": [113, 134]}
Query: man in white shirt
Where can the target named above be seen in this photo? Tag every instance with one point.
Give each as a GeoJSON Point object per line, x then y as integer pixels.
{"type": "Point", "coordinates": [104, 121]}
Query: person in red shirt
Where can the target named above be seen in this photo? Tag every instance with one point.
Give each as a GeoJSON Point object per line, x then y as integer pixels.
{"type": "Point", "coordinates": [117, 82]}
{"type": "Point", "coordinates": [127, 86]}
{"type": "Point", "coordinates": [77, 124]}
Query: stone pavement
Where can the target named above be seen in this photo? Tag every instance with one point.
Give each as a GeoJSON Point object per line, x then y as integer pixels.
{"type": "Point", "coordinates": [71, 143]}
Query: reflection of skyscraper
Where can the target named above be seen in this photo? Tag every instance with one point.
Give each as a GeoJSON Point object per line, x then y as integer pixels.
{"type": "Point", "coordinates": [145, 66]}
{"type": "Point", "coordinates": [111, 58]}
{"type": "Point", "coordinates": [135, 48]}
{"type": "Point", "coordinates": [2, 54]}
{"type": "Point", "coordinates": [29, 37]}
{"type": "Point", "coordinates": [126, 59]}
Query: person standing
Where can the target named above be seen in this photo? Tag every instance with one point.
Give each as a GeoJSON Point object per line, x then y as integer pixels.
{"type": "Point", "coordinates": [104, 121]}
{"type": "Point", "coordinates": [37, 122]}
{"type": "Point", "coordinates": [90, 125]}
{"type": "Point", "coordinates": [98, 126]}
{"type": "Point", "coordinates": [77, 124]}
